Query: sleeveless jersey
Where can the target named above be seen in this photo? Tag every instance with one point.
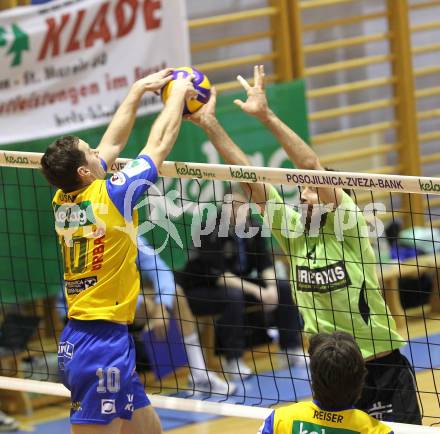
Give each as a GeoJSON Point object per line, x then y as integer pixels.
{"type": "Point", "coordinates": [309, 418]}
{"type": "Point", "coordinates": [333, 274]}
{"type": "Point", "coordinates": [97, 229]}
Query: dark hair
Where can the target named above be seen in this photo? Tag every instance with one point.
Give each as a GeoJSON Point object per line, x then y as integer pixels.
{"type": "Point", "coordinates": [337, 370]}
{"type": "Point", "coordinates": [60, 163]}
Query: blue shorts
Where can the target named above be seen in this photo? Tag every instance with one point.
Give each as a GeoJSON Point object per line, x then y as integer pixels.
{"type": "Point", "coordinates": [96, 360]}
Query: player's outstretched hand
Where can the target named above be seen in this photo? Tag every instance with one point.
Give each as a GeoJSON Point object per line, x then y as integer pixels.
{"type": "Point", "coordinates": [206, 114]}
{"type": "Point", "coordinates": [256, 103]}
{"type": "Point", "coordinates": [154, 82]}
{"type": "Point", "coordinates": [184, 85]}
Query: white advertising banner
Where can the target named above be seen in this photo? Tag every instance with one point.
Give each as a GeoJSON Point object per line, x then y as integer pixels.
{"type": "Point", "coordinates": [67, 65]}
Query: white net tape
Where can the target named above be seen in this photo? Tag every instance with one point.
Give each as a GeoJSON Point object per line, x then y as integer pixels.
{"type": "Point", "coordinates": [224, 172]}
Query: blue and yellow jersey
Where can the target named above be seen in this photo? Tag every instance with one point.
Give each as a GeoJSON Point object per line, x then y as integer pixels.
{"type": "Point", "coordinates": [97, 229]}
{"type": "Point", "coordinates": [308, 418]}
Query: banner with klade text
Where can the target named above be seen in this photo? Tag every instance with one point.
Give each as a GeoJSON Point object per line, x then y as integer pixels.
{"type": "Point", "coordinates": [67, 65]}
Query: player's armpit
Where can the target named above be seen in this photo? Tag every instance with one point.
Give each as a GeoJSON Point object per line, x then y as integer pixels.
{"type": "Point", "coordinates": [127, 186]}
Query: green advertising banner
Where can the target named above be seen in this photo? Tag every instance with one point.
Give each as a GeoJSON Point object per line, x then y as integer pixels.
{"type": "Point", "coordinates": [30, 265]}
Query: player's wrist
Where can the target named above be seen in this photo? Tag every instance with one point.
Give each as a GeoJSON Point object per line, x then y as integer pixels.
{"type": "Point", "coordinates": [136, 92]}
{"type": "Point", "coordinates": [209, 123]}
{"type": "Point", "coordinates": [266, 116]}
{"type": "Point", "coordinates": [177, 97]}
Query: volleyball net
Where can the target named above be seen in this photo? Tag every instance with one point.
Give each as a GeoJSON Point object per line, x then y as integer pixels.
{"type": "Point", "coordinates": [193, 222]}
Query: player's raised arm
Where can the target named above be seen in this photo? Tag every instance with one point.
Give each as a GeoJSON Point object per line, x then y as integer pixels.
{"type": "Point", "coordinates": [166, 127]}
{"type": "Point", "coordinates": [230, 152]}
{"type": "Point", "coordinates": [116, 136]}
{"type": "Point", "coordinates": [298, 151]}
{"type": "Point", "coordinates": [127, 186]}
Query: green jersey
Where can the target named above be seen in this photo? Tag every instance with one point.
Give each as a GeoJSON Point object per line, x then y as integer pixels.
{"type": "Point", "coordinates": [333, 274]}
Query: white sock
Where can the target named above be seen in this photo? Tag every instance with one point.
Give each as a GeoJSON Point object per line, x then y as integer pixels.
{"type": "Point", "coordinates": [196, 360]}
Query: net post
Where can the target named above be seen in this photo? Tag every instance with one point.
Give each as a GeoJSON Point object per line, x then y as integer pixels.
{"type": "Point", "coordinates": [295, 30]}
{"type": "Point", "coordinates": [407, 128]}
{"type": "Point", "coordinates": [281, 41]}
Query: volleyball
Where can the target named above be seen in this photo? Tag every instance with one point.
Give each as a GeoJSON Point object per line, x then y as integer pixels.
{"type": "Point", "coordinates": [201, 85]}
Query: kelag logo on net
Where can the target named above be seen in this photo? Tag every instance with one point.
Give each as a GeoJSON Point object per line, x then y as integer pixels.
{"type": "Point", "coordinates": [247, 175]}
{"type": "Point", "coordinates": [184, 170]}
{"type": "Point", "coordinates": [13, 159]}
{"type": "Point", "coordinates": [429, 186]}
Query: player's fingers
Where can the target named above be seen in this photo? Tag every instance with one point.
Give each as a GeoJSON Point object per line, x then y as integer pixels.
{"type": "Point", "coordinates": [256, 75]}
{"type": "Point", "coordinates": [262, 77]}
{"type": "Point", "coordinates": [189, 77]}
{"type": "Point", "coordinates": [210, 105]}
{"type": "Point", "coordinates": [167, 71]}
{"type": "Point", "coordinates": [185, 78]}
{"type": "Point", "coordinates": [165, 80]}
{"type": "Point", "coordinates": [191, 92]}
{"type": "Point", "coordinates": [259, 76]}
{"type": "Point", "coordinates": [213, 96]}
{"type": "Point", "coordinates": [243, 82]}
{"type": "Point", "coordinates": [239, 102]}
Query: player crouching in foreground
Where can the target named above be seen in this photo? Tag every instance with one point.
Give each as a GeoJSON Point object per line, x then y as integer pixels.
{"type": "Point", "coordinates": [338, 375]}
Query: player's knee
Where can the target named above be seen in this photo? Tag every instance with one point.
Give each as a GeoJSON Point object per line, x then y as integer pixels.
{"type": "Point", "coordinates": [153, 423]}
{"type": "Point", "coordinates": [144, 421]}
{"type": "Point", "coordinates": [157, 427]}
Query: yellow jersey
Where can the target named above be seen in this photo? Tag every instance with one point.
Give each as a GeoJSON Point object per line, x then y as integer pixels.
{"type": "Point", "coordinates": [309, 418]}
{"type": "Point", "coordinates": [97, 230]}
